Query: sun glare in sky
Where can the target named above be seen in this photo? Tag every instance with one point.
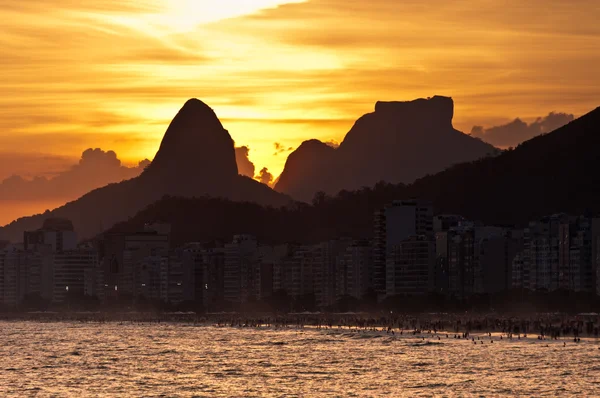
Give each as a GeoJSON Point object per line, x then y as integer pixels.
{"type": "Point", "coordinates": [185, 15]}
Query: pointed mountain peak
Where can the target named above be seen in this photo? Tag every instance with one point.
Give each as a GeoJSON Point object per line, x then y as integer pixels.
{"type": "Point", "coordinates": [195, 105]}
{"type": "Point", "coordinates": [195, 146]}
{"type": "Point", "coordinates": [195, 112]}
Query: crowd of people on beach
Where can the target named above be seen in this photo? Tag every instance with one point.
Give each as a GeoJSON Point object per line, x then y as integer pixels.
{"type": "Point", "coordinates": [449, 326]}
{"type": "Point", "coordinates": [433, 326]}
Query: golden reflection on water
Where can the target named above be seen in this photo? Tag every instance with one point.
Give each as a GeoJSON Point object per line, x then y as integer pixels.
{"type": "Point", "coordinates": [72, 359]}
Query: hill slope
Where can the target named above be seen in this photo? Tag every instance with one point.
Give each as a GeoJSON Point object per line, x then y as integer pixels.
{"type": "Point", "coordinates": [555, 172]}
{"type": "Point", "coordinates": [196, 158]}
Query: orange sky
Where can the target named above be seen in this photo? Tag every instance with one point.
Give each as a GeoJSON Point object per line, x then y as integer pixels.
{"type": "Point", "coordinates": [112, 73]}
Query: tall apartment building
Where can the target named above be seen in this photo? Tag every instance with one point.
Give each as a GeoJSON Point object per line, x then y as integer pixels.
{"type": "Point", "coordinates": [323, 262]}
{"type": "Point", "coordinates": [178, 278]}
{"type": "Point", "coordinates": [472, 259]}
{"type": "Point", "coordinates": [327, 270]}
{"type": "Point", "coordinates": [55, 232]}
{"type": "Point", "coordinates": [213, 277]}
{"type": "Point", "coordinates": [560, 253]}
{"type": "Point", "coordinates": [354, 270]}
{"type": "Point", "coordinates": [461, 262]}
{"type": "Point", "coordinates": [441, 272]}
{"type": "Point", "coordinates": [3, 252]}
{"type": "Point", "coordinates": [541, 253]}
{"type": "Point", "coordinates": [70, 269]}
{"type": "Point", "coordinates": [410, 266]}
{"type": "Point", "coordinates": [584, 231]}
{"type": "Point", "coordinates": [240, 276]}
{"type": "Point", "coordinates": [119, 254]}
{"type": "Point", "coordinates": [293, 272]}
{"type": "Point", "coordinates": [161, 275]}
{"type": "Point", "coordinates": [595, 243]}
{"type": "Point", "coordinates": [394, 224]}
{"type": "Point", "coordinates": [49, 265]}
{"type": "Point", "coordinates": [152, 279]}
{"type": "Point", "coordinates": [20, 275]}
{"type": "Point", "coordinates": [379, 252]}
{"type": "Point", "coordinates": [193, 273]}
{"type": "Point", "coordinates": [299, 272]}
{"type": "Point", "coordinates": [267, 257]}
{"type": "Point", "coordinates": [517, 271]}
{"type": "Point", "coordinates": [281, 257]}
{"type": "Point", "coordinates": [495, 257]}
{"type": "Point", "coordinates": [442, 224]}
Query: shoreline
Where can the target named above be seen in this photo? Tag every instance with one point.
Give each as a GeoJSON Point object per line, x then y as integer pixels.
{"type": "Point", "coordinates": [543, 325]}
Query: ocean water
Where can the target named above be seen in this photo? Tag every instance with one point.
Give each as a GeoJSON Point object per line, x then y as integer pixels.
{"type": "Point", "coordinates": [172, 360]}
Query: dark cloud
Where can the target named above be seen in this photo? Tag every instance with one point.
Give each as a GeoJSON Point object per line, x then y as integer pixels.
{"type": "Point", "coordinates": [264, 177]}
{"type": "Point", "coordinates": [95, 169]}
{"type": "Point", "coordinates": [517, 131]}
{"type": "Point", "coordinates": [245, 166]}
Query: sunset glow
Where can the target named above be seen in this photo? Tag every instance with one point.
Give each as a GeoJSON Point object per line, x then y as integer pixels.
{"type": "Point", "coordinates": [112, 74]}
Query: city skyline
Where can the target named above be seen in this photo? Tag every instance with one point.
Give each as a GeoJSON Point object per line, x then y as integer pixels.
{"type": "Point", "coordinates": [411, 254]}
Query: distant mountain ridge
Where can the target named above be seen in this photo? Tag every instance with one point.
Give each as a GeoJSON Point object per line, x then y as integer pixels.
{"type": "Point", "coordinates": [552, 173]}
{"type": "Point", "coordinates": [196, 158]}
{"type": "Point", "coordinates": [399, 142]}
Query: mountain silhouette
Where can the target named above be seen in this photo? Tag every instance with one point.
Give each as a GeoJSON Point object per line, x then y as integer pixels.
{"type": "Point", "coordinates": [196, 158]}
{"type": "Point", "coordinates": [195, 146]}
{"type": "Point", "coordinates": [399, 142]}
{"type": "Point", "coordinates": [552, 173]}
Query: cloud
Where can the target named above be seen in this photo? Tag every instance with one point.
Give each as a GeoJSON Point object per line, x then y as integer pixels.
{"type": "Point", "coordinates": [95, 169]}
{"type": "Point", "coordinates": [280, 148]}
{"type": "Point", "coordinates": [32, 164]}
{"type": "Point", "coordinates": [517, 131]}
{"type": "Point", "coordinates": [333, 143]}
{"type": "Point", "coordinates": [264, 177]}
{"type": "Point", "coordinates": [245, 166]}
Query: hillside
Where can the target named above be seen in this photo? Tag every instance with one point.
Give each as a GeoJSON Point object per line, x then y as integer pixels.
{"type": "Point", "coordinates": [556, 172]}
{"type": "Point", "coordinates": [196, 158]}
